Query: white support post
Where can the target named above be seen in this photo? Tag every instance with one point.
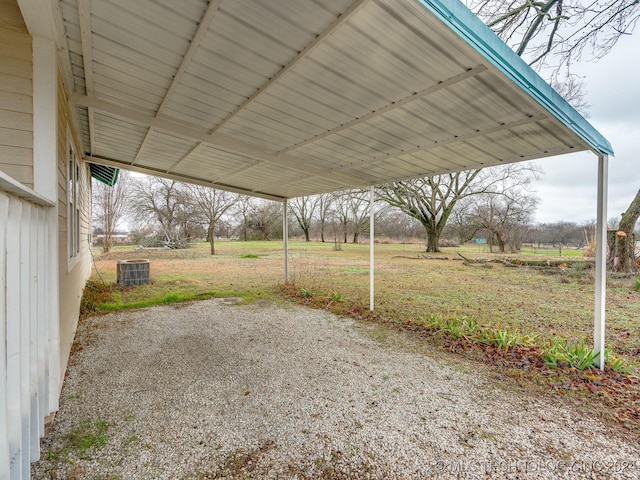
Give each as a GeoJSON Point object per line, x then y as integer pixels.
{"type": "Point", "coordinates": [5, 452]}
{"type": "Point", "coordinates": [45, 81]}
{"type": "Point", "coordinates": [601, 261]}
{"type": "Point", "coordinates": [25, 336]}
{"type": "Point", "coordinates": [371, 249]}
{"type": "Point", "coordinates": [13, 337]}
{"type": "Point", "coordinates": [52, 301]}
{"type": "Point", "coordinates": [45, 183]}
{"type": "Point", "coordinates": [285, 240]}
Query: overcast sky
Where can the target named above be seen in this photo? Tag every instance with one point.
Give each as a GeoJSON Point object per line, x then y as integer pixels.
{"type": "Point", "coordinates": [568, 188]}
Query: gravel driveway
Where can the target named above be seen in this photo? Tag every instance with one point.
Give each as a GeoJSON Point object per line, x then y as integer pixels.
{"type": "Point", "coordinates": [216, 390]}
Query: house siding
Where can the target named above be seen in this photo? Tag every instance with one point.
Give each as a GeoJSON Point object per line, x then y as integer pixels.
{"type": "Point", "coordinates": [16, 97]}
{"type": "Point", "coordinates": [29, 373]}
{"type": "Point", "coordinates": [73, 271]}
{"type": "Point", "coordinates": [40, 284]}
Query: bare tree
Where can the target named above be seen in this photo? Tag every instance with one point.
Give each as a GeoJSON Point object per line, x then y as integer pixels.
{"type": "Point", "coordinates": [303, 210]}
{"type": "Point", "coordinates": [459, 224]}
{"type": "Point", "coordinates": [340, 214]}
{"type": "Point", "coordinates": [164, 203]}
{"type": "Point", "coordinates": [264, 219]}
{"type": "Point", "coordinates": [432, 200]}
{"type": "Point", "coordinates": [244, 207]}
{"type": "Point", "coordinates": [557, 33]}
{"type": "Point", "coordinates": [110, 207]}
{"type": "Point", "coordinates": [505, 215]}
{"type": "Point", "coordinates": [212, 205]}
{"type": "Point", "coordinates": [325, 203]}
{"type": "Point", "coordinates": [561, 233]}
{"type": "Point", "coordinates": [393, 223]}
{"type": "Point", "coordinates": [357, 207]}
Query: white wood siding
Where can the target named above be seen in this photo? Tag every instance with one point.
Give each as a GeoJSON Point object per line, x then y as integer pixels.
{"type": "Point", "coordinates": [16, 100]}
{"type": "Point", "coordinates": [73, 272]}
{"type": "Point", "coordinates": [39, 289]}
{"type": "Point", "coordinates": [28, 338]}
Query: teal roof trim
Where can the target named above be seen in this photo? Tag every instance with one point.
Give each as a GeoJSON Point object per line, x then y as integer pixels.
{"type": "Point", "coordinates": [108, 175]}
{"type": "Point", "coordinates": [471, 29]}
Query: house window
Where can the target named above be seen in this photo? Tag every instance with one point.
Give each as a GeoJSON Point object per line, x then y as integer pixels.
{"type": "Point", "coordinates": [73, 203]}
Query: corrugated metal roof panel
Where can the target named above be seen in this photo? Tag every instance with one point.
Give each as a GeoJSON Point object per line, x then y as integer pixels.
{"type": "Point", "coordinates": [285, 98]}
{"type": "Point", "coordinates": [117, 138]}
{"type": "Point", "coordinates": [162, 151]}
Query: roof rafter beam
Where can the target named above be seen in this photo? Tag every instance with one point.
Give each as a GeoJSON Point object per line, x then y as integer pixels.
{"type": "Point", "coordinates": [237, 171]}
{"type": "Point", "coordinates": [448, 141]}
{"type": "Point", "coordinates": [355, 6]}
{"type": "Point", "coordinates": [305, 177]}
{"type": "Point", "coordinates": [111, 162]}
{"type": "Point", "coordinates": [196, 40]}
{"type": "Point", "coordinates": [199, 134]}
{"type": "Point", "coordinates": [472, 72]}
{"type": "Point", "coordinates": [84, 13]}
{"type": "Point", "coordinates": [198, 36]}
{"type": "Point", "coordinates": [547, 153]}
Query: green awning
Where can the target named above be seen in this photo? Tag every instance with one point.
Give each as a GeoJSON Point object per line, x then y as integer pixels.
{"type": "Point", "coordinates": [108, 175]}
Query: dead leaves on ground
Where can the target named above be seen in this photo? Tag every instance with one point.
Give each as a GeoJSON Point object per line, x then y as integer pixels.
{"type": "Point", "coordinates": [617, 394]}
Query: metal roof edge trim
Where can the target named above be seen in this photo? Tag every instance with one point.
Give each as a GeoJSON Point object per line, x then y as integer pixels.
{"type": "Point", "coordinates": [471, 29]}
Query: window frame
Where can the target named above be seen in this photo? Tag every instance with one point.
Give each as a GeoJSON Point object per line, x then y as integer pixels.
{"type": "Point", "coordinates": [73, 204]}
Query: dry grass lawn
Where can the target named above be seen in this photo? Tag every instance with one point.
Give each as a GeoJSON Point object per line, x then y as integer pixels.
{"type": "Point", "coordinates": [517, 299]}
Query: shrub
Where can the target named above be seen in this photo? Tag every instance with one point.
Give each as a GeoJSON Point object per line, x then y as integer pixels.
{"type": "Point", "coordinates": [446, 242]}
{"type": "Point", "coordinates": [93, 296]}
{"type": "Point", "coordinates": [577, 356]}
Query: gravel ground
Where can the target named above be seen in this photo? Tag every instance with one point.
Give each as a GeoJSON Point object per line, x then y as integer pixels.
{"type": "Point", "coordinates": [216, 390]}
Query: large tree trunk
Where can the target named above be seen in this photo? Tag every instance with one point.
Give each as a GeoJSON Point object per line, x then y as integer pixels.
{"type": "Point", "coordinates": [306, 235]}
{"type": "Point", "coordinates": [622, 242]}
{"type": "Point", "coordinates": [211, 240]}
{"type": "Point", "coordinates": [432, 241]}
{"type": "Point", "coordinates": [501, 242]}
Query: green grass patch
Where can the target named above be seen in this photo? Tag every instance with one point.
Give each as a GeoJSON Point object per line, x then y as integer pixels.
{"type": "Point", "coordinates": [83, 441]}
{"type": "Point", "coordinates": [352, 270]}
{"type": "Point", "coordinates": [88, 436]}
{"type": "Point", "coordinates": [249, 255]}
{"type": "Point", "coordinates": [169, 298]}
{"type": "Point", "coordinates": [102, 298]}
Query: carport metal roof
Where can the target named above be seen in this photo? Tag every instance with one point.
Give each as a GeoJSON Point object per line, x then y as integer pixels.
{"type": "Point", "coordinates": [280, 99]}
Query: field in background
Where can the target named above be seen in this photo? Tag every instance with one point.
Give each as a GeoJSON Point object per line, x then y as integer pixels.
{"type": "Point", "coordinates": [516, 299]}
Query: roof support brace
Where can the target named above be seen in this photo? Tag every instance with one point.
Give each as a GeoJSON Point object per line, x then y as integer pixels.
{"type": "Point", "coordinates": [371, 249]}
{"type": "Point", "coordinates": [285, 239]}
{"type": "Point", "coordinates": [601, 261]}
